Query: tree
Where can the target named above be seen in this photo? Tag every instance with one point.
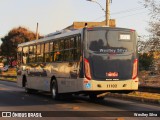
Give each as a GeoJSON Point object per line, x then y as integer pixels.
{"type": "Point", "coordinates": [154, 23]}
{"type": "Point", "coordinates": [13, 38]}
{"type": "Point", "coordinates": [149, 46]}
{"type": "Point", "coordinates": [145, 61]}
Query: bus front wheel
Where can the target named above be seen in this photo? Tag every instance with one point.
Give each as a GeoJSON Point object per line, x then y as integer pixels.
{"type": "Point", "coordinates": [54, 90]}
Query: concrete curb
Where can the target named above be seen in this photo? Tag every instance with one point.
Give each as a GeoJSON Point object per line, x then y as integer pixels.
{"type": "Point", "coordinates": [140, 99]}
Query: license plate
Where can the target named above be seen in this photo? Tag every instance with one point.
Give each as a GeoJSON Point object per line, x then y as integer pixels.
{"type": "Point", "coordinates": [112, 74]}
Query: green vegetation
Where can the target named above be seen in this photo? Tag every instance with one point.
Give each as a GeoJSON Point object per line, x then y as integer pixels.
{"type": "Point", "coordinates": [149, 46]}
{"type": "Point", "coordinates": [145, 61]}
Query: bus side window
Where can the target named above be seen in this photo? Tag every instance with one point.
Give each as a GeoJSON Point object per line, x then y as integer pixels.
{"type": "Point", "coordinates": [19, 55]}
{"type": "Point", "coordinates": [41, 59]}
{"type": "Point", "coordinates": [67, 44]}
{"type": "Point", "coordinates": [67, 51]}
{"type": "Point", "coordinates": [72, 54]}
{"type": "Point", "coordinates": [72, 42]}
{"type": "Point", "coordinates": [77, 52]}
{"type": "Point", "coordinates": [66, 55]}
{"type": "Point", "coordinates": [32, 54]}
{"type": "Point", "coordinates": [61, 45]}
{"type": "Point", "coordinates": [38, 52]}
{"type": "Point", "coordinates": [25, 57]}
{"type": "Point", "coordinates": [60, 55]}
{"type": "Point", "coordinates": [47, 52]}
{"type": "Point", "coordinates": [51, 46]}
{"type": "Point", "coordinates": [35, 53]}
{"type": "Point", "coordinates": [72, 48]}
{"type": "Point", "coordinates": [55, 49]}
{"type": "Point", "coordinates": [51, 51]}
{"type": "Point", "coordinates": [61, 50]}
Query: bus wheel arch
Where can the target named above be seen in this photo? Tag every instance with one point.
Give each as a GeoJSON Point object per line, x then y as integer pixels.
{"type": "Point", "coordinates": [24, 84]}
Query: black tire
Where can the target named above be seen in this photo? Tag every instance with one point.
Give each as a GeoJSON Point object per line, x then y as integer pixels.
{"type": "Point", "coordinates": [94, 97]}
{"type": "Point", "coordinates": [54, 91]}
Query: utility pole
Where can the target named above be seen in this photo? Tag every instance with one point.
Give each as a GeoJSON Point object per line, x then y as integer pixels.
{"type": "Point", "coordinates": [37, 32]}
{"type": "Point", "coordinates": [107, 12]}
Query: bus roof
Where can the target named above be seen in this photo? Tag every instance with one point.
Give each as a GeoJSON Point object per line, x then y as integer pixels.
{"type": "Point", "coordinates": [52, 36]}
{"type": "Point", "coordinates": [64, 33]}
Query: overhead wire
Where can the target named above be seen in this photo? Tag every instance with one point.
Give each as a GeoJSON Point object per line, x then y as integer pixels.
{"type": "Point", "coordinates": [129, 10]}
{"type": "Point", "coordinates": [125, 11]}
{"type": "Point", "coordinates": [131, 14]}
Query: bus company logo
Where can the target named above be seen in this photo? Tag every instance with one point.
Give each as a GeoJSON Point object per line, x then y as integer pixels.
{"type": "Point", "coordinates": [6, 114]}
{"type": "Point", "coordinates": [88, 85]}
{"type": "Point", "coordinates": [21, 114]}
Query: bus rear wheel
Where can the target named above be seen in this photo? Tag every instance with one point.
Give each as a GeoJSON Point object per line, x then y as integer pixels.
{"type": "Point", "coordinates": [54, 90]}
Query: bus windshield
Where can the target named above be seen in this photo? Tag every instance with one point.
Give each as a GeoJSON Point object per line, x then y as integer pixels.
{"type": "Point", "coordinates": [109, 41]}
{"type": "Point", "coordinates": [111, 51]}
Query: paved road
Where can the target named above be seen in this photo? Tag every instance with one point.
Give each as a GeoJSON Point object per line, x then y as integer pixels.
{"type": "Point", "coordinates": [13, 98]}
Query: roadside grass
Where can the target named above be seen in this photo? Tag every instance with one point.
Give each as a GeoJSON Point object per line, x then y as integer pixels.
{"type": "Point", "coordinates": [9, 75]}
{"type": "Point", "coordinates": [145, 95]}
{"type": "Point", "coordinates": [10, 72]}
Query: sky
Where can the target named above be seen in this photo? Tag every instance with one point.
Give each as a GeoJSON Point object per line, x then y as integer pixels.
{"type": "Point", "coordinates": [55, 15]}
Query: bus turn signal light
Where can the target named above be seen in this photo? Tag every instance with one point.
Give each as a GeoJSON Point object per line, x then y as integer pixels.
{"type": "Point", "coordinates": [135, 69]}
{"type": "Point", "coordinates": [87, 69]}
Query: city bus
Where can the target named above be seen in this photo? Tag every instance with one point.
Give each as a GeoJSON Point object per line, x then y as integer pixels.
{"type": "Point", "coordinates": [89, 61]}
